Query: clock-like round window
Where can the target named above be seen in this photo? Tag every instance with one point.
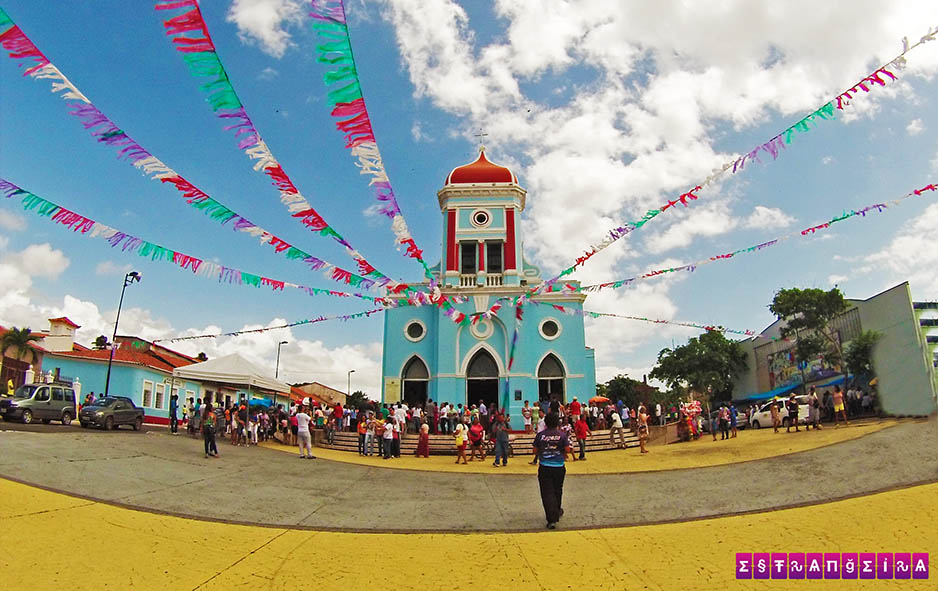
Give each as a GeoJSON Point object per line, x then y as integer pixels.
{"type": "Point", "coordinates": [550, 329]}
{"type": "Point", "coordinates": [415, 331]}
{"type": "Point", "coordinates": [481, 218]}
{"type": "Point", "coordinates": [482, 329]}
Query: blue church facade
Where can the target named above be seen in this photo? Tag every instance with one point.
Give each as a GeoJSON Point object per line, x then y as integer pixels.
{"type": "Point", "coordinates": [428, 356]}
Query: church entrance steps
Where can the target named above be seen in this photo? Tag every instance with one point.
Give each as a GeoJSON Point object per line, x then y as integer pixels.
{"type": "Point", "coordinates": [445, 445]}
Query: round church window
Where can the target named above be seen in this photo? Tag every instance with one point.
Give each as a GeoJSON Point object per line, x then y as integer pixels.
{"type": "Point", "coordinates": [481, 218]}
{"type": "Point", "coordinates": [415, 331]}
{"type": "Point", "coordinates": [550, 329]}
{"type": "Point", "coordinates": [482, 329]}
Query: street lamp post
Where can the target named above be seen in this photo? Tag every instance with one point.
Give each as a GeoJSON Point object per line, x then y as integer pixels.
{"type": "Point", "coordinates": [129, 278]}
{"type": "Point", "coordinates": [277, 370]}
{"type": "Point", "coordinates": [348, 390]}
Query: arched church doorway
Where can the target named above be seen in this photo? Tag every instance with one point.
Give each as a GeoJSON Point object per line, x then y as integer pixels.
{"type": "Point", "coordinates": [550, 379]}
{"type": "Point", "coordinates": [416, 381]}
{"type": "Point", "coordinates": [482, 379]}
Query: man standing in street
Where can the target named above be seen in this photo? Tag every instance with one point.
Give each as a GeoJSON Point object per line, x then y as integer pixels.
{"type": "Point", "coordinates": [616, 428]}
{"type": "Point", "coordinates": [792, 407]}
{"type": "Point", "coordinates": [582, 431]}
{"type": "Point", "coordinates": [734, 417]}
{"type": "Point", "coordinates": [173, 410]}
{"type": "Point", "coordinates": [501, 441]}
{"type": "Point", "coordinates": [551, 447]}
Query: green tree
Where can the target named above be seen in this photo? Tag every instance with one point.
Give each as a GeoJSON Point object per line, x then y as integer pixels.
{"type": "Point", "coordinates": [101, 343]}
{"type": "Point", "coordinates": [809, 315]}
{"type": "Point", "coordinates": [202, 356]}
{"type": "Point", "coordinates": [356, 400]}
{"type": "Point", "coordinates": [708, 363]}
{"type": "Point", "coordinates": [623, 388]}
{"type": "Point", "coordinates": [20, 340]}
{"type": "Point", "coordinates": [858, 355]}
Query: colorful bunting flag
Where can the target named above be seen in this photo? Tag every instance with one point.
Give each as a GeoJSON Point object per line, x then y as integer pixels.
{"type": "Point", "coordinates": [348, 107]}
{"type": "Point", "coordinates": [810, 231]}
{"type": "Point", "coordinates": [318, 319]}
{"type": "Point", "coordinates": [107, 132]}
{"type": "Point", "coordinates": [129, 243]}
{"type": "Point", "coordinates": [773, 147]}
{"type": "Point", "coordinates": [203, 61]}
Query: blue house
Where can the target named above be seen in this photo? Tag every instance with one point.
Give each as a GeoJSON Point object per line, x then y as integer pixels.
{"type": "Point", "coordinates": [140, 370]}
{"type": "Point", "coordinates": [428, 356]}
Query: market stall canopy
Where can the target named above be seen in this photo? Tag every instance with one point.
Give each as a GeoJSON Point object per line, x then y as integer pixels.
{"type": "Point", "coordinates": [232, 369]}
{"type": "Point", "coordinates": [833, 382]}
{"type": "Point", "coordinates": [780, 391]}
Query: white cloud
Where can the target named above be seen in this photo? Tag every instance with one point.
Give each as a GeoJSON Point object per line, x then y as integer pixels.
{"type": "Point", "coordinates": [268, 73]}
{"type": "Point", "coordinates": [11, 221]}
{"type": "Point", "coordinates": [827, 160]}
{"type": "Point", "coordinates": [934, 163]}
{"type": "Point", "coordinates": [836, 279]}
{"type": "Point", "coordinates": [416, 130]}
{"type": "Point", "coordinates": [915, 127]}
{"type": "Point", "coordinates": [709, 220]}
{"type": "Point", "coordinates": [112, 268]}
{"type": "Point", "coordinates": [263, 22]}
{"type": "Point", "coordinates": [912, 255]}
{"type": "Point", "coordinates": [768, 217]}
{"type": "Point", "coordinates": [39, 260]}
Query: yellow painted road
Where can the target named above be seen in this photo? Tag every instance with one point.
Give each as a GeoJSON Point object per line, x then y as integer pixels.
{"type": "Point", "coordinates": [53, 541]}
{"type": "Point", "coordinates": [751, 444]}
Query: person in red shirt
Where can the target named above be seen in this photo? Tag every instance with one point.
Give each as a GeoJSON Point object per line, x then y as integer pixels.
{"type": "Point", "coordinates": [476, 439]}
{"type": "Point", "coordinates": [575, 409]}
{"type": "Point", "coordinates": [582, 431]}
{"type": "Point", "coordinates": [338, 413]}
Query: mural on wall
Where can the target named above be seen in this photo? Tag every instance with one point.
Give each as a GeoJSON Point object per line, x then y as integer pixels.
{"type": "Point", "coordinates": [784, 369]}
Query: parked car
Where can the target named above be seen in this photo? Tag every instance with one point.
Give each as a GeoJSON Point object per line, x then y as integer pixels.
{"type": "Point", "coordinates": [111, 412]}
{"type": "Point", "coordinates": [42, 402]}
{"type": "Point", "coordinates": [763, 416]}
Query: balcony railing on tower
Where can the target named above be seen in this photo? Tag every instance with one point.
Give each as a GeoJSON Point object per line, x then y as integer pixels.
{"type": "Point", "coordinates": [491, 280]}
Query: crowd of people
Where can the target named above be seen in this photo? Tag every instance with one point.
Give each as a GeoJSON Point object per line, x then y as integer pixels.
{"type": "Point", "coordinates": [479, 429]}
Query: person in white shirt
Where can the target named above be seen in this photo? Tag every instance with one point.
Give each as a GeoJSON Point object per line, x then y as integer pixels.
{"type": "Point", "coordinates": [659, 415]}
{"type": "Point", "coordinates": [616, 428]}
{"type": "Point", "coordinates": [388, 437]}
{"type": "Point", "coordinates": [302, 433]}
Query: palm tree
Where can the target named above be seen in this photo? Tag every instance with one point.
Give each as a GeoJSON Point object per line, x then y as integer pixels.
{"type": "Point", "coordinates": [101, 343]}
{"type": "Point", "coordinates": [202, 356]}
{"type": "Point", "coordinates": [20, 340]}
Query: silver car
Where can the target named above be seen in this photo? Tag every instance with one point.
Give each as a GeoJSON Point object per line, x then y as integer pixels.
{"type": "Point", "coordinates": [40, 402]}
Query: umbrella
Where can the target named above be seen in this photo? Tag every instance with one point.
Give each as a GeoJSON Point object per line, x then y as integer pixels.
{"type": "Point", "coordinates": [598, 399]}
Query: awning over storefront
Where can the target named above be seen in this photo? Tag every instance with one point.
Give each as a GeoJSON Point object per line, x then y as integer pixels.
{"type": "Point", "coordinates": [780, 391]}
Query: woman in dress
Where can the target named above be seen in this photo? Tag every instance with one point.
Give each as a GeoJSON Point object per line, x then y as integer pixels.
{"type": "Point", "coordinates": [423, 444]}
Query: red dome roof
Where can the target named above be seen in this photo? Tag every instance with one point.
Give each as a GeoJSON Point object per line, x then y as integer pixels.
{"type": "Point", "coordinates": [481, 171]}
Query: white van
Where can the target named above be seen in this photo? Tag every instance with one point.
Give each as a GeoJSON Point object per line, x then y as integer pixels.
{"type": "Point", "coordinates": [762, 417]}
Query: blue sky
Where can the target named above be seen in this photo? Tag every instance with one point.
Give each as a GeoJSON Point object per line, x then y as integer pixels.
{"type": "Point", "coordinates": [602, 110]}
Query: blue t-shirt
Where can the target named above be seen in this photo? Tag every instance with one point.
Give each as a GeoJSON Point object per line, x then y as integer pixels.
{"type": "Point", "coordinates": [551, 444]}
{"type": "Point", "coordinates": [733, 414]}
